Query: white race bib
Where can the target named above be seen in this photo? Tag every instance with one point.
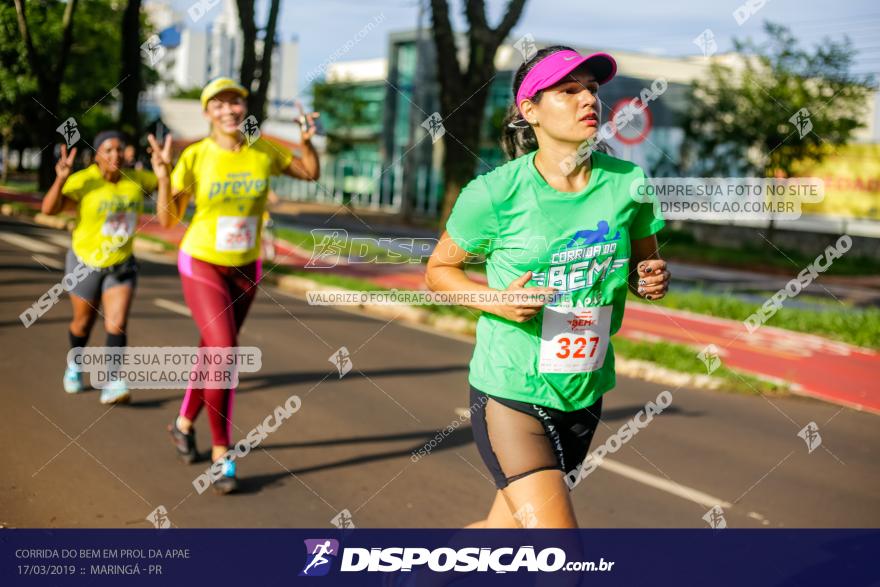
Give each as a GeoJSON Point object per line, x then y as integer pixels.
{"type": "Point", "coordinates": [119, 224]}
{"type": "Point", "coordinates": [236, 233]}
{"type": "Point", "coordinates": [575, 339]}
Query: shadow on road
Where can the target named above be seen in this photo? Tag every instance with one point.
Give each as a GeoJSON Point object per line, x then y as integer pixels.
{"type": "Point", "coordinates": [267, 382]}
{"type": "Point", "coordinates": [459, 437]}
{"type": "Point", "coordinates": [250, 384]}
{"type": "Point", "coordinates": [98, 331]}
{"type": "Point", "coordinates": [627, 412]}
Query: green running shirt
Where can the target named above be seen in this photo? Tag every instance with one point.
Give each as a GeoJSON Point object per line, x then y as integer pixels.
{"type": "Point", "coordinates": [576, 242]}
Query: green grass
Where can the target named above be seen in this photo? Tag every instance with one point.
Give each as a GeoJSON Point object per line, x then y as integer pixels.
{"type": "Point", "coordinates": [682, 358]}
{"type": "Point", "coordinates": [341, 247]}
{"type": "Point", "coordinates": [677, 245]}
{"type": "Point", "coordinates": [20, 185]}
{"type": "Point", "coordinates": [166, 246]}
{"type": "Point", "coordinates": [813, 300]}
{"type": "Point", "coordinates": [858, 326]}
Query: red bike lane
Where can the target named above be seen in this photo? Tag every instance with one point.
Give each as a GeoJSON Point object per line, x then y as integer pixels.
{"type": "Point", "coordinates": [824, 369]}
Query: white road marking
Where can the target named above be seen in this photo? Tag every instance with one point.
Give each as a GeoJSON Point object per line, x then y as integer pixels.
{"type": "Point", "coordinates": [158, 258]}
{"type": "Point", "coordinates": [677, 489]}
{"type": "Point", "coordinates": [30, 244]}
{"type": "Point", "coordinates": [49, 261]}
{"type": "Point", "coordinates": [62, 240]}
{"type": "Point", "coordinates": [172, 306]}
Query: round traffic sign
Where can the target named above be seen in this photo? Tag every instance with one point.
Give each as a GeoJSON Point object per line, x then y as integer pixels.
{"type": "Point", "coordinates": [631, 120]}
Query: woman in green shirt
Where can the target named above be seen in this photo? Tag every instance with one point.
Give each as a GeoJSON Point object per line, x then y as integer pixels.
{"type": "Point", "coordinates": [554, 222]}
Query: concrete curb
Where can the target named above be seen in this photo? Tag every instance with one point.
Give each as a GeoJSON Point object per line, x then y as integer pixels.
{"type": "Point", "coordinates": [451, 324]}
{"type": "Point", "coordinates": [59, 222]}
{"type": "Point", "coordinates": [656, 373]}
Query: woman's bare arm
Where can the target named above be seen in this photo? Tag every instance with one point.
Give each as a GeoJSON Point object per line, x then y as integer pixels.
{"type": "Point", "coordinates": [53, 201]}
{"type": "Point", "coordinates": [446, 274]}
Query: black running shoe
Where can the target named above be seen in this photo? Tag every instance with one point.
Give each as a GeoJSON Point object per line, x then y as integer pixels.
{"type": "Point", "coordinates": [184, 443]}
{"type": "Point", "coordinates": [226, 483]}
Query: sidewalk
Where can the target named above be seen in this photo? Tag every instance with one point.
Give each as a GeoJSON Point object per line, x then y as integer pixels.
{"type": "Point", "coordinates": [818, 367]}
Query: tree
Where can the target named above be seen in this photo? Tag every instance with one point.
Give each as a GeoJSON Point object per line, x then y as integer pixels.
{"type": "Point", "coordinates": [87, 88]}
{"type": "Point", "coordinates": [785, 105]}
{"type": "Point", "coordinates": [343, 112]}
{"type": "Point", "coordinates": [188, 93]}
{"type": "Point", "coordinates": [130, 74]}
{"type": "Point", "coordinates": [48, 78]}
{"type": "Point", "coordinates": [16, 87]}
{"type": "Point", "coordinates": [252, 68]}
{"type": "Point", "coordinates": [463, 92]}
{"type": "Point", "coordinates": [135, 73]}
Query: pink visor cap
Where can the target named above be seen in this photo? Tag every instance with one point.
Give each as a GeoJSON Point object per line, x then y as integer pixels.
{"type": "Point", "coordinates": [553, 68]}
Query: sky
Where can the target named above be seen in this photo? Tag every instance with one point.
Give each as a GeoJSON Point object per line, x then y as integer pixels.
{"type": "Point", "coordinates": [664, 28]}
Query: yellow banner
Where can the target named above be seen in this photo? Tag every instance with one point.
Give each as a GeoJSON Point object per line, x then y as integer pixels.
{"type": "Point", "coordinates": [852, 182]}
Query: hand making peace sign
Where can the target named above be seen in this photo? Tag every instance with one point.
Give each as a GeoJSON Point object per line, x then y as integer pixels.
{"type": "Point", "coordinates": [160, 157]}
{"type": "Point", "coordinates": [64, 166]}
{"type": "Point", "coordinates": [306, 122]}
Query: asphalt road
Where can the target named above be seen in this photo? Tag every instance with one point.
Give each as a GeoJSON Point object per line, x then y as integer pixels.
{"type": "Point", "coordinates": [71, 462]}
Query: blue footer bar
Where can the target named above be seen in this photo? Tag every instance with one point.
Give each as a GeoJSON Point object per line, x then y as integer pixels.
{"type": "Point", "coordinates": [249, 558]}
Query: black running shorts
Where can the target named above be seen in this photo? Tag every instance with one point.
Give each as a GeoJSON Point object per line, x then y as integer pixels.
{"type": "Point", "coordinates": [516, 439]}
{"type": "Point", "coordinates": [89, 283]}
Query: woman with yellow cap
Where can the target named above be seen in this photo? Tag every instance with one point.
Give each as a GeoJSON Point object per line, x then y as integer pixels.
{"type": "Point", "coordinates": [227, 176]}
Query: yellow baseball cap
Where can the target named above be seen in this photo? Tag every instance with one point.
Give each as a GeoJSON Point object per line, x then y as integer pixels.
{"type": "Point", "coordinates": [221, 84]}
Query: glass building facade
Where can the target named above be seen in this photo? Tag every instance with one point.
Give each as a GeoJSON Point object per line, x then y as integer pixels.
{"type": "Point", "coordinates": [402, 159]}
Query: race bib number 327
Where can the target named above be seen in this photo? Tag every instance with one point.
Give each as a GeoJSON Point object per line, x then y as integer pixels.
{"type": "Point", "coordinates": [574, 340]}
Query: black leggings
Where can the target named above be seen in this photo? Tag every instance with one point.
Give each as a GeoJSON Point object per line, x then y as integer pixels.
{"type": "Point", "coordinates": [516, 439]}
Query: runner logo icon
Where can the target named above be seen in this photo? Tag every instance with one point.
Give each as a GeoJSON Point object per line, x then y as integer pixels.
{"type": "Point", "coordinates": [319, 556]}
{"type": "Point", "coordinates": [589, 236]}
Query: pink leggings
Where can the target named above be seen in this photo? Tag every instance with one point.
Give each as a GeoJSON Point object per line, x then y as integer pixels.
{"type": "Point", "coordinates": [219, 298]}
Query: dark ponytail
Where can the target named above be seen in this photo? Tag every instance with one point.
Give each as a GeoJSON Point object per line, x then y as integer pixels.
{"type": "Point", "coordinates": [517, 135]}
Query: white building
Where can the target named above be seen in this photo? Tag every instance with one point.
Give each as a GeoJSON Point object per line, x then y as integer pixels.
{"type": "Point", "coordinates": [200, 45]}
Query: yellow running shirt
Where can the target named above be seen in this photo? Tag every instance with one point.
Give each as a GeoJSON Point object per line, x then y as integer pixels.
{"type": "Point", "coordinates": [108, 213]}
{"type": "Point", "coordinates": [230, 189]}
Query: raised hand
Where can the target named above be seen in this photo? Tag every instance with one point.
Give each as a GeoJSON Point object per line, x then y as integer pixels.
{"type": "Point", "coordinates": [306, 122]}
{"type": "Point", "coordinates": [64, 166]}
{"type": "Point", "coordinates": [160, 156]}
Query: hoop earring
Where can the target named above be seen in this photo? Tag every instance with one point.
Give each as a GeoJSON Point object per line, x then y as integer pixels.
{"type": "Point", "coordinates": [519, 123]}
